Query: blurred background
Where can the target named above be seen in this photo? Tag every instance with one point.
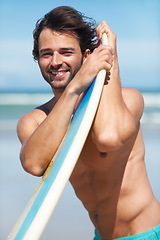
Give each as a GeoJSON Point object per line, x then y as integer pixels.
{"type": "Point", "coordinates": [22, 88]}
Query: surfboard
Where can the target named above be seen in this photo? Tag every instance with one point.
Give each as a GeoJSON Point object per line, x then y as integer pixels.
{"type": "Point", "coordinates": [39, 209]}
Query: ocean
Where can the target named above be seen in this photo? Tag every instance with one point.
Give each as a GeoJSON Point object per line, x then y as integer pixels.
{"type": "Point", "coordinates": [70, 220]}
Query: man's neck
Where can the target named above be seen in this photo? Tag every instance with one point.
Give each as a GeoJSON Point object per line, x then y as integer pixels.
{"type": "Point", "coordinates": [58, 93]}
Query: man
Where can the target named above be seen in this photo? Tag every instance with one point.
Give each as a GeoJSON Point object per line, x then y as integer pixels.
{"type": "Point", "coordinates": [110, 176]}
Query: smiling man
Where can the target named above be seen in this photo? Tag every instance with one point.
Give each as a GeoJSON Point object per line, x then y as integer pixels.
{"type": "Point", "coordinates": [110, 176]}
{"type": "Point", "coordinates": [59, 62]}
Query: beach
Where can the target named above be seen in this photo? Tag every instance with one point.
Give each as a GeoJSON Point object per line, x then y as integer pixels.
{"type": "Point", "coordinates": [69, 220]}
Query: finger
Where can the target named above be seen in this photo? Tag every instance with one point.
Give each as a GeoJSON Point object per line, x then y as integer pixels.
{"type": "Point", "coordinates": [104, 54]}
{"type": "Point", "coordinates": [103, 27]}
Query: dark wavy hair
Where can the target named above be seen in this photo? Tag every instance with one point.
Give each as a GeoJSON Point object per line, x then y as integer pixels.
{"type": "Point", "coordinates": [67, 19]}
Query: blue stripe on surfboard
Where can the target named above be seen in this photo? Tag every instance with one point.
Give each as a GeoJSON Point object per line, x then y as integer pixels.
{"type": "Point", "coordinates": [78, 116]}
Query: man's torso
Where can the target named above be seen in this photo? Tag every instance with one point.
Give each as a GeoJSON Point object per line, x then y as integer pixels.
{"type": "Point", "coordinates": [114, 187]}
{"type": "Point", "coordinates": [115, 190]}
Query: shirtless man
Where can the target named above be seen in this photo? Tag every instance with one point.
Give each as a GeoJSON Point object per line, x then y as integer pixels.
{"type": "Point", "coordinates": [110, 176]}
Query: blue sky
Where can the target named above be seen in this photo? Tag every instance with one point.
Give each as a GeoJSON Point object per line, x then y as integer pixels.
{"type": "Point", "coordinates": [136, 23]}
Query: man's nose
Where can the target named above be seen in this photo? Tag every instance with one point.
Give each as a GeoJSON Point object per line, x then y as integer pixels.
{"type": "Point", "coordinates": [56, 59]}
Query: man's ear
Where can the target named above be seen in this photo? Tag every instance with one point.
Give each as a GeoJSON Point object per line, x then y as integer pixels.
{"type": "Point", "coordinates": [86, 54]}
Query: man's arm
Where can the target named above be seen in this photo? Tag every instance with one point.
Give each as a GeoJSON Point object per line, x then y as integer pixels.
{"type": "Point", "coordinates": [41, 135]}
{"type": "Point", "coordinates": [116, 122]}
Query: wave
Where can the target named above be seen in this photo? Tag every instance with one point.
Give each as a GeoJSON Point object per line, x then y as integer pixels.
{"type": "Point", "coordinates": [24, 98]}
{"type": "Point", "coordinates": [150, 99]}
{"type": "Point", "coordinates": [151, 116]}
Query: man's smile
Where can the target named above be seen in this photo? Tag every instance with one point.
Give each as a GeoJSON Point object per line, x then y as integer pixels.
{"type": "Point", "coordinates": [60, 58]}
{"type": "Point", "coordinates": [58, 74]}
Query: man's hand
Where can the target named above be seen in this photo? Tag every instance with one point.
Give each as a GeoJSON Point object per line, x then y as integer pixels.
{"type": "Point", "coordinates": [103, 27]}
{"type": "Point", "coordinates": [100, 58]}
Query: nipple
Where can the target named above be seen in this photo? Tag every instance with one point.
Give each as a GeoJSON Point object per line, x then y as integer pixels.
{"type": "Point", "coordinates": [103, 154]}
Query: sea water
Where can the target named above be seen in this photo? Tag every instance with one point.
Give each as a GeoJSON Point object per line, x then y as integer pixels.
{"type": "Point", "coordinates": [70, 220]}
{"type": "Point", "coordinates": [14, 105]}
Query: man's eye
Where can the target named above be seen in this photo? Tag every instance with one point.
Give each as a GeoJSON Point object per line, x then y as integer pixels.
{"type": "Point", "coordinates": [47, 54]}
{"type": "Point", "coordinates": [67, 53]}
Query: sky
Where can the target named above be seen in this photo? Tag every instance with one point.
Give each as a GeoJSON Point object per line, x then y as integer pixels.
{"type": "Point", "coordinates": [135, 22]}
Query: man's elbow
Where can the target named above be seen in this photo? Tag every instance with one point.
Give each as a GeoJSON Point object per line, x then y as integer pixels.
{"type": "Point", "coordinates": [29, 167]}
{"type": "Point", "coordinates": [110, 140]}
{"type": "Point", "coordinates": [107, 142]}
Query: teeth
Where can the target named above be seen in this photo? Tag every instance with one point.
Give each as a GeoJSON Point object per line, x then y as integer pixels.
{"type": "Point", "coordinates": [57, 73]}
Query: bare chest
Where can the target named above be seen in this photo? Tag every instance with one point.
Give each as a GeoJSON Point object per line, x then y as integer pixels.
{"type": "Point", "coordinates": [97, 176]}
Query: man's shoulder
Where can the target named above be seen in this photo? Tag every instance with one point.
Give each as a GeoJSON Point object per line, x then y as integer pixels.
{"type": "Point", "coordinates": [130, 90]}
{"type": "Point", "coordinates": [28, 123]}
{"type": "Point", "coordinates": [130, 94]}
{"type": "Point", "coordinates": [133, 100]}
{"type": "Point", "coordinates": [39, 113]}
{"type": "Point", "coordinates": [33, 119]}
{"type": "Point", "coordinates": [47, 107]}
{"type": "Point", "coordinates": [33, 116]}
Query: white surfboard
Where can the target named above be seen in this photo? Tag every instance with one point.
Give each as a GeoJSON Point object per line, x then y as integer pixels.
{"type": "Point", "coordinates": [37, 213]}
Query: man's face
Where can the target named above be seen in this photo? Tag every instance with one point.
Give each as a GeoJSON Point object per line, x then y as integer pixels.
{"type": "Point", "coordinates": [60, 57]}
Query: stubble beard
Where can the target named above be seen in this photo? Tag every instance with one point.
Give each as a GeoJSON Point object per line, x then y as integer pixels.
{"type": "Point", "coordinates": [64, 84]}
{"type": "Point", "coordinates": [56, 85]}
